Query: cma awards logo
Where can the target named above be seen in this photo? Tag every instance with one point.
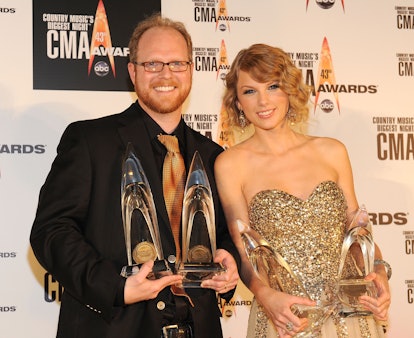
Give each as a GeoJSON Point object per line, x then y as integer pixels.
{"type": "Point", "coordinates": [101, 37]}
{"type": "Point", "coordinates": [222, 21]}
{"type": "Point", "coordinates": [7, 10]}
{"type": "Point", "coordinates": [224, 65]}
{"type": "Point", "coordinates": [207, 11]}
{"type": "Point", "coordinates": [327, 84]}
{"type": "Point", "coordinates": [67, 38]}
{"type": "Point", "coordinates": [327, 80]}
{"type": "Point", "coordinates": [212, 59]}
{"type": "Point", "coordinates": [52, 289]}
{"type": "Point", "coordinates": [326, 4]}
{"type": "Point", "coordinates": [22, 148]}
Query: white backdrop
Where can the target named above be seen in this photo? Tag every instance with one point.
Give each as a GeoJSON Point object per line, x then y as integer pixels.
{"type": "Point", "coordinates": [364, 97]}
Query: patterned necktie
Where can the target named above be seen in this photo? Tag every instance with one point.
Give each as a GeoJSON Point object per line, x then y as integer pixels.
{"type": "Point", "coordinates": [173, 181]}
{"type": "Point", "coordinates": [173, 178]}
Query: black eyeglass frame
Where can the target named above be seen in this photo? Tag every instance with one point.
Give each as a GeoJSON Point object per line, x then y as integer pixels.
{"type": "Point", "coordinates": [150, 66]}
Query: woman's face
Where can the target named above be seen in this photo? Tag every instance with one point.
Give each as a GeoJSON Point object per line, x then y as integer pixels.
{"type": "Point", "coordinates": [264, 104]}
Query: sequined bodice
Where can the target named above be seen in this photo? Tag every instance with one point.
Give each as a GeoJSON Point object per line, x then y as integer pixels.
{"type": "Point", "coordinates": [307, 233]}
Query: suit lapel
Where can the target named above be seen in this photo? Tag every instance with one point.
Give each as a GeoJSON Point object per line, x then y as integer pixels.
{"type": "Point", "coordinates": [191, 145]}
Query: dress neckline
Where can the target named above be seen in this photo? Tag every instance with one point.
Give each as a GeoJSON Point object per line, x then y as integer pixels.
{"type": "Point", "coordinates": [255, 196]}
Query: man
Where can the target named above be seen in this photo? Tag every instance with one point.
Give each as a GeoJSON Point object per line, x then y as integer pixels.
{"type": "Point", "coordinates": [78, 235]}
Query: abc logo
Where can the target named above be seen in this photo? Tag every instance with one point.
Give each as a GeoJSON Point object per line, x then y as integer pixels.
{"type": "Point", "coordinates": [101, 68]}
{"type": "Point", "coordinates": [325, 4]}
{"type": "Point", "coordinates": [327, 106]}
{"type": "Point", "coordinates": [222, 27]}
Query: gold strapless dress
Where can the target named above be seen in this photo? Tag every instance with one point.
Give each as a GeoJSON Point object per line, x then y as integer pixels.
{"type": "Point", "coordinates": [309, 235]}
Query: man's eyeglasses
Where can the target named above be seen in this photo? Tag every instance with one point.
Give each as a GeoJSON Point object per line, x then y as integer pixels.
{"type": "Point", "coordinates": [158, 66]}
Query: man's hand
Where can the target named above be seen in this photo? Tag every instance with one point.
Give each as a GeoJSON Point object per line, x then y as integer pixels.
{"type": "Point", "coordinates": [139, 288]}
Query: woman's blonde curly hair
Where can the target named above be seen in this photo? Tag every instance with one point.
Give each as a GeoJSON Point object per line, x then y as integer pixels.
{"type": "Point", "coordinates": [265, 63]}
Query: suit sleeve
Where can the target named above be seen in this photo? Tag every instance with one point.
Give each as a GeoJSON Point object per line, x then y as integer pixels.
{"type": "Point", "coordinates": [57, 236]}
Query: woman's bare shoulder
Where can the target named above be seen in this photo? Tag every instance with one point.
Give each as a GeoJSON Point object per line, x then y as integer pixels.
{"type": "Point", "coordinates": [232, 156]}
{"type": "Point", "coordinates": [324, 144]}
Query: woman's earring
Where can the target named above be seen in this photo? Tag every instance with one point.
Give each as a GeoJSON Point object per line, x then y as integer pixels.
{"type": "Point", "coordinates": [291, 116]}
{"type": "Point", "coordinates": [242, 120]}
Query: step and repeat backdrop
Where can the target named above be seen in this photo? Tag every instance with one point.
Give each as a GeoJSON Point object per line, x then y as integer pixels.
{"type": "Point", "coordinates": [63, 61]}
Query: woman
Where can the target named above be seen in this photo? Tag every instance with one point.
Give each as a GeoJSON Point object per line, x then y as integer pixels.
{"type": "Point", "coordinates": [295, 190]}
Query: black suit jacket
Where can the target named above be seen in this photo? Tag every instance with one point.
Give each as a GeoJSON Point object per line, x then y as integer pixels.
{"type": "Point", "coordinates": [78, 236]}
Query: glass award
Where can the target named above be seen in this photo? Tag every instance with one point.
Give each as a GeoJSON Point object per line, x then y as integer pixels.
{"type": "Point", "coordinates": [139, 219]}
{"type": "Point", "coordinates": [198, 228]}
{"type": "Point", "coordinates": [357, 261]}
{"type": "Point", "coordinates": [274, 271]}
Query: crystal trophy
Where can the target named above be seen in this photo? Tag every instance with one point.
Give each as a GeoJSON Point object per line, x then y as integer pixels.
{"type": "Point", "coordinates": [198, 228]}
{"type": "Point", "coordinates": [357, 261]}
{"type": "Point", "coordinates": [274, 271]}
{"type": "Point", "coordinates": [139, 218]}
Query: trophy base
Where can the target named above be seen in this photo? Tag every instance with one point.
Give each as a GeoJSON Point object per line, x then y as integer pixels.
{"type": "Point", "coordinates": [160, 269]}
{"type": "Point", "coordinates": [349, 312]}
{"type": "Point", "coordinates": [195, 273]}
{"type": "Point", "coordinates": [316, 316]}
{"type": "Point", "coordinates": [349, 290]}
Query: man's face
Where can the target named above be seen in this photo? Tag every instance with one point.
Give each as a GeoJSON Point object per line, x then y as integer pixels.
{"type": "Point", "coordinates": [163, 92]}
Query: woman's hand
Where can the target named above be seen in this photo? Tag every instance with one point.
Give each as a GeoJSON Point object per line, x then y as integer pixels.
{"type": "Point", "coordinates": [226, 281]}
{"type": "Point", "coordinates": [277, 306]}
{"type": "Point", "coordinates": [378, 306]}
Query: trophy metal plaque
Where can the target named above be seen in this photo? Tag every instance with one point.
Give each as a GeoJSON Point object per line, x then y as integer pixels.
{"type": "Point", "coordinates": [139, 218]}
{"type": "Point", "coordinates": [273, 270]}
{"type": "Point", "coordinates": [357, 257]}
{"type": "Point", "coordinates": [198, 228]}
